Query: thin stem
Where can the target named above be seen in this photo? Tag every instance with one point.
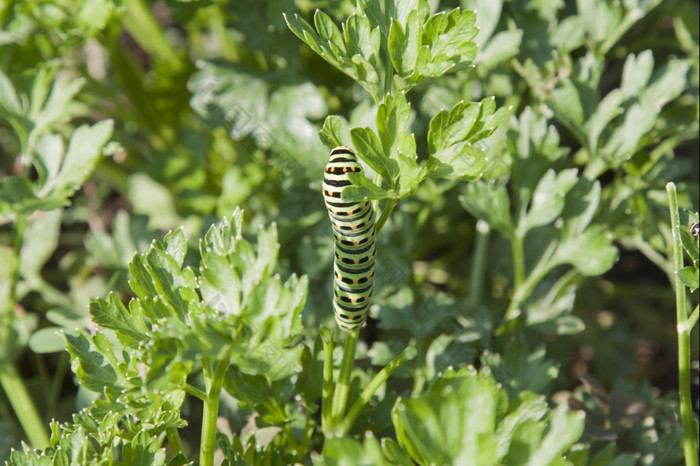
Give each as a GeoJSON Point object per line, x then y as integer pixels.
{"type": "Point", "coordinates": [327, 388]}
{"type": "Point", "coordinates": [518, 251]}
{"type": "Point", "coordinates": [174, 441]}
{"type": "Point", "coordinates": [693, 319]}
{"type": "Point", "coordinates": [195, 392]}
{"type": "Point", "coordinates": [23, 405]}
{"type": "Point", "coordinates": [291, 441]}
{"type": "Point", "coordinates": [476, 274]}
{"type": "Point", "coordinates": [211, 412]}
{"type": "Point", "coordinates": [10, 379]}
{"type": "Point", "coordinates": [58, 379]}
{"type": "Point", "coordinates": [308, 432]}
{"type": "Point", "coordinates": [526, 288]}
{"type": "Point", "coordinates": [690, 446]}
{"type": "Point", "coordinates": [342, 387]}
{"type": "Point", "coordinates": [385, 214]}
{"type": "Point", "coordinates": [139, 21]}
{"type": "Point", "coordinates": [378, 380]}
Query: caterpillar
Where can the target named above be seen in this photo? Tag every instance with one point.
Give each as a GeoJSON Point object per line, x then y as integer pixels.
{"type": "Point", "coordinates": [355, 249]}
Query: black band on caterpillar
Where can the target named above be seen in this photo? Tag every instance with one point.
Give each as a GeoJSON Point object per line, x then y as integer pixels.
{"type": "Point", "coordinates": [355, 249]}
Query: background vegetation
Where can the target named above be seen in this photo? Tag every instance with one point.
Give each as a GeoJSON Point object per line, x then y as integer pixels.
{"type": "Point", "coordinates": [527, 262]}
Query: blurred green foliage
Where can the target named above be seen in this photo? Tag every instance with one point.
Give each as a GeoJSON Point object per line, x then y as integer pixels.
{"type": "Point", "coordinates": [532, 243]}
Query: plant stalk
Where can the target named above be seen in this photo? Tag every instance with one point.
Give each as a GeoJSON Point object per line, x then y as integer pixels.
{"type": "Point", "coordinates": [23, 405]}
{"type": "Point", "coordinates": [367, 394]}
{"type": "Point", "coordinates": [476, 275]}
{"type": "Point", "coordinates": [211, 412]}
{"type": "Point", "coordinates": [175, 441]}
{"type": "Point", "coordinates": [342, 387]}
{"type": "Point", "coordinates": [327, 388]}
{"type": "Point", "coordinates": [690, 445]}
{"type": "Point", "coordinates": [385, 215]}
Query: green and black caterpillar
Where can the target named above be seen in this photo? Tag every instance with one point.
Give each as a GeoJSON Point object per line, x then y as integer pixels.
{"type": "Point", "coordinates": [355, 249]}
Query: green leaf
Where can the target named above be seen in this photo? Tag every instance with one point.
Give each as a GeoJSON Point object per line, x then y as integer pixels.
{"type": "Point", "coordinates": [48, 156]}
{"type": "Point", "coordinates": [520, 369]}
{"type": "Point", "coordinates": [152, 199]}
{"type": "Point", "coordinates": [452, 137]}
{"type": "Point", "coordinates": [488, 202]}
{"type": "Point", "coordinates": [530, 407]}
{"type": "Point", "coordinates": [304, 31]}
{"type": "Point", "coordinates": [364, 189]}
{"type": "Point", "coordinates": [341, 450]}
{"type": "Point", "coordinates": [84, 149]}
{"type": "Point", "coordinates": [17, 196]}
{"type": "Point", "coordinates": [488, 12]}
{"type": "Point", "coordinates": [47, 340]}
{"type": "Point", "coordinates": [361, 38]}
{"type": "Point", "coordinates": [393, 117]}
{"type": "Point", "coordinates": [330, 35]}
{"type": "Point", "coordinates": [551, 313]}
{"type": "Point", "coordinates": [92, 368]}
{"type": "Point", "coordinates": [144, 449]}
{"type": "Point", "coordinates": [370, 150]}
{"type": "Point", "coordinates": [608, 109]}
{"type": "Point", "coordinates": [548, 199]}
{"type": "Point", "coordinates": [410, 173]}
{"type": "Point", "coordinates": [39, 242]}
{"type": "Point", "coordinates": [130, 329]}
{"type": "Point", "coordinates": [581, 204]}
{"type": "Point", "coordinates": [568, 108]}
{"type": "Point", "coordinates": [447, 128]}
{"type": "Point", "coordinates": [501, 48]}
{"type": "Point", "coordinates": [394, 453]}
{"type": "Point", "coordinates": [62, 93]}
{"type": "Point", "coordinates": [566, 427]}
{"type": "Point", "coordinates": [689, 276]}
{"type": "Point", "coordinates": [636, 73]}
{"type": "Point", "coordinates": [448, 37]}
{"type": "Point", "coordinates": [404, 45]}
{"type": "Point", "coordinates": [9, 100]}
{"type": "Point", "coordinates": [690, 242]}
{"type": "Point", "coordinates": [357, 60]}
{"type": "Point", "coordinates": [591, 252]}
{"type": "Point", "coordinates": [452, 424]}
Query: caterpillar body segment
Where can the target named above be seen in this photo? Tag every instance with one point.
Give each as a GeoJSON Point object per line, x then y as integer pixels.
{"type": "Point", "coordinates": [355, 247]}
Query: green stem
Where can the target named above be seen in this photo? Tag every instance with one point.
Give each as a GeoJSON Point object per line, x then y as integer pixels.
{"type": "Point", "coordinates": [211, 412]}
{"type": "Point", "coordinates": [693, 319]}
{"type": "Point", "coordinates": [518, 251]}
{"type": "Point", "coordinates": [58, 379]}
{"type": "Point", "coordinates": [196, 392]}
{"type": "Point", "coordinates": [175, 441]}
{"type": "Point", "coordinates": [342, 387]}
{"type": "Point", "coordinates": [10, 379]}
{"type": "Point", "coordinates": [218, 26]}
{"type": "Point", "coordinates": [385, 215]}
{"type": "Point", "coordinates": [367, 394]}
{"type": "Point", "coordinates": [292, 445]}
{"type": "Point", "coordinates": [327, 388]}
{"type": "Point", "coordinates": [143, 27]}
{"type": "Point", "coordinates": [308, 432]}
{"type": "Point", "coordinates": [690, 446]}
{"type": "Point", "coordinates": [23, 405]}
{"type": "Point", "coordinates": [525, 289]}
{"type": "Point", "coordinates": [476, 274]}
